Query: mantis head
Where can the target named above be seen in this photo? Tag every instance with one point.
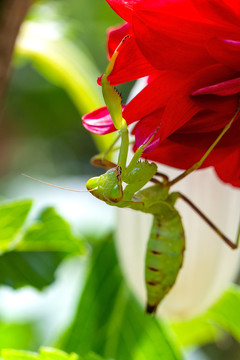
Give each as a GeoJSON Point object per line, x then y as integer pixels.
{"type": "Point", "coordinates": [107, 187]}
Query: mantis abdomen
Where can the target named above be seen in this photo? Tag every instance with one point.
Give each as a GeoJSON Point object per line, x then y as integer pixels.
{"type": "Point", "coordinates": [164, 257]}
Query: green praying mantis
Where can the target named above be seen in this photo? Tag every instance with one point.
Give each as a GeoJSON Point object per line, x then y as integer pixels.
{"type": "Point", "coordinates": [124, 186]}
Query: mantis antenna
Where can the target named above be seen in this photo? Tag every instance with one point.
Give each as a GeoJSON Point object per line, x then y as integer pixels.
{"type": "Point", "coordinates": [56, 186]}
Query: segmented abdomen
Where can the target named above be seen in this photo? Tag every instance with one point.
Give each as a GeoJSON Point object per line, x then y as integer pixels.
{"type": "Point", "coordinates": [164, 257]}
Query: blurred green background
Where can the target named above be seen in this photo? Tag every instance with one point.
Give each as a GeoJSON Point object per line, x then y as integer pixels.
{"type": "Point", "coordinates": [42, 135]}
{"type": "Point", "coordinates": [41, 127]}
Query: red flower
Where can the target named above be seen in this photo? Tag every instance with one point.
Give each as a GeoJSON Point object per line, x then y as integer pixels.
{"type": "Point", "coordinates": [190, 51]}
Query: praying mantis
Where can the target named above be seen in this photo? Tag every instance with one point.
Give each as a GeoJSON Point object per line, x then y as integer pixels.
{"type": "Point", "coordinates": [123, 185]}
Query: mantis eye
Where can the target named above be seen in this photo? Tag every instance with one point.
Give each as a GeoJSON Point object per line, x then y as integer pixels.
{"type": "Point", "coordinates": [92, 183]}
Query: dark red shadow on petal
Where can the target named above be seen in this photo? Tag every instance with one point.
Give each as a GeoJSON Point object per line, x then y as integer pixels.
{"type": "Point", "coordinates": [217, 113]}
{"type": "Point", "coordinates": [228, 87]}
{"type": "Point", "coordinates": [182, 152]}
{"type": "Point", "coordinates": [171, 91]}
{"type": "Point", "coordinates": [182, 107]}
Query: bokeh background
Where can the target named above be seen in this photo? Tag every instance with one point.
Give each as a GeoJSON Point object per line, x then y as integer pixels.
{"type": "Point", "coordinates": [42, 136]}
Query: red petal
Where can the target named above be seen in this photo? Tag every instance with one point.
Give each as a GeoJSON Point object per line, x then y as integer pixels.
{"type": "Point", "coordinates": [229, 169]}
{"type": "Point", "coordinates": [167, 53]}
{"type": "Point", "coordinates": [154, 96]}
{"type": "Point", "coordinates": [218, 11]}
{"type": "Point", "coordinates": [215, 116]}
{"type": "Point", "coordinates": [181, 156]}
{"type": "Point", "coordinates": [225, 51]}
{"type": "Point", "coordinates": [130, 64]}
{"type": "Point", "coordinates": [115, 35]}
{"type": "Point", "coordinates": [181, 8]}
{"type": "Point", "coordinates": [224, 88]}
{"type": "Point", "coordinates": [146, 128]}
{"type": "Point", "coordinates": [98, 121]}
{"type": "Point", "coordinates": [182, 107]}
{"type": "Point", "coordinates": [184, 150]}
{"type": "Point", "coordinates": [203, 141]}
{"type": "Point", "coordinates": [171, 37]}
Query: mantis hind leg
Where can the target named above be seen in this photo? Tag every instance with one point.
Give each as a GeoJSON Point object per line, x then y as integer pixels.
{"type": "Point", "coordinates": [233, 245]}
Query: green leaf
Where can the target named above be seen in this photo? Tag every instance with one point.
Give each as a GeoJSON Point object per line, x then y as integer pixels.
{"type": "Point", "coordinates": [44, 354]}
{"type": "Point", "coordinates": [223, 315]}
{"type": "Point", "coordinates": [92, 356]}
{"type": "Point", "coordinates": [35, 269]}
{"type": "Point", "coordinates": [12, 217]}
{"type": "Point", "coordinates": [226, 312]}
{"type": "Point", "coordinates": [55, 354]}
{"type": "Point", "coordinates": [50, 233]}
{"type": "Point", "coordinates": [34, 258]}
{"type": "Point", "coordinates": [196, 331]}
{"type": "Point", "coordinates": [9, 354]}
{"type": "Point", "coordinates": [16, 336]}
{"type": "Point", "coordinates": [110, 322]}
